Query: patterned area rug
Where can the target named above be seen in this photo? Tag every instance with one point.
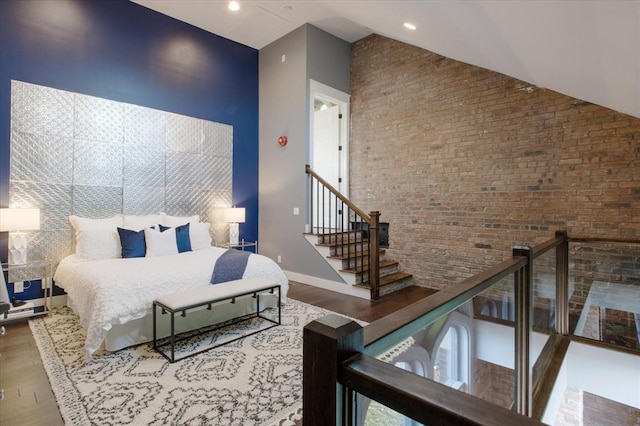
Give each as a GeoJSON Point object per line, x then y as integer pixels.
{"type": "Point", "coordinates": [253, 381]}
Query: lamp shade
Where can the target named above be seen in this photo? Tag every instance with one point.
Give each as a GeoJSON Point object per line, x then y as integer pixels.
{"type": "Point", "coordinates": [19, 219]}
{"type": "Point", "coordinates": [234, 215]}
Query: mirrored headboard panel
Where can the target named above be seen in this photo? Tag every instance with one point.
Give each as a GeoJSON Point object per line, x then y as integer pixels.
{"type": "Point", "coordinates": [93, 157]}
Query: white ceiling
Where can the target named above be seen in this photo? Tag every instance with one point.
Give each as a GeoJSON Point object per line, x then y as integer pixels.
{"type": "Point", "coordinates": [588, 49]}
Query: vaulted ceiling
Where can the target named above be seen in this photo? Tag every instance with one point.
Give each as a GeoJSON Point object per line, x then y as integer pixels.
{"type": "Point", "coordinates": [588, 49]}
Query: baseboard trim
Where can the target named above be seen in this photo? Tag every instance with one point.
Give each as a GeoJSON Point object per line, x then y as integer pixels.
{"type": "Point", "coordinates": [338, 287]}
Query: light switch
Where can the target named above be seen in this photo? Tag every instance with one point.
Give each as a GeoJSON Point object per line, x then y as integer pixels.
{"type": "Point", "coordinates": [296, 211]}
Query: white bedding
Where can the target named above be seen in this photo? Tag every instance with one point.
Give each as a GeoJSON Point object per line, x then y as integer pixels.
{"type": "Point", "coordinates": [115, 291]}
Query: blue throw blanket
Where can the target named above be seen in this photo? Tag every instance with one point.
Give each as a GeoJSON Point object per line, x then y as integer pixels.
{"type": "Point", "coordinates": [230, 266]}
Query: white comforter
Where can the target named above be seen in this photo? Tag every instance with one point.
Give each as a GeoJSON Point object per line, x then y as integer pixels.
{"type": "Point", "coordinates": [114, 291]}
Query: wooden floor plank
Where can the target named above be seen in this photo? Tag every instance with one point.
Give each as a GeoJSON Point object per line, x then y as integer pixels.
{"type": "Point", "coordinates": [356, 307]}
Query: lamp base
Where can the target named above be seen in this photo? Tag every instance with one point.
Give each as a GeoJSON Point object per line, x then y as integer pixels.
{"type": "Point", "coordinates": [234, 233]}
{"type": "Point", "coordinates": [17, 248]}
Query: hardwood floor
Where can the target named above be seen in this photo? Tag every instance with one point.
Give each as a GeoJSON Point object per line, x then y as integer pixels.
{"type": "Point", "coordinates": [355, 307]}
{"type": "Point", "coordinates": [28, 397]}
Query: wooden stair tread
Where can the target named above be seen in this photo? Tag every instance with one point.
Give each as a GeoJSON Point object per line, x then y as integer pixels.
{"type": "Point", "coordinates": [354, 255]}
{"type": "Point", "coordinates": [357, 253]}
{"type": "Point", "coordinates": [365, 267]}
{"type": "Point", "coordinates": [327, 234]}
{"type": "Point", "coordinates": [387, 279]}
{"type": "Point", "coordinates": [343, 243]}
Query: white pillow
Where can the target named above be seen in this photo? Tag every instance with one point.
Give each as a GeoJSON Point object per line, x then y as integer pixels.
{"type": "Point", "coordinates": [138, 223]}
{"type": "Point", "coordinates": [173, 221]}
{"type": "Point", "coordinates": [160, 243]}
{"type": "Point", "coordinates": [199, 236]}
{"type": "Point", "coordinates": [97, 238]}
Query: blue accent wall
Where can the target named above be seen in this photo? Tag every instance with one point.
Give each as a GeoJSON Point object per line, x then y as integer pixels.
{"type": "Point", "coordinates": [118, 50]}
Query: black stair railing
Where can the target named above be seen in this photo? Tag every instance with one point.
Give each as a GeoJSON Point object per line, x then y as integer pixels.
{"type": "Point", "coordinates": [351, 233]}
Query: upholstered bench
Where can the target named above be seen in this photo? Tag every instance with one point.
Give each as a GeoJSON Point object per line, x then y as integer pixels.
{"type": "Point", "coordinates": [196, 298]}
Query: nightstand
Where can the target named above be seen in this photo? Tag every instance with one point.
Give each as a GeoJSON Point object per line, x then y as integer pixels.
{"type": "Point", "coordinates": [242, 245]}
{"type": "Point", "coordinates": [34, 278]}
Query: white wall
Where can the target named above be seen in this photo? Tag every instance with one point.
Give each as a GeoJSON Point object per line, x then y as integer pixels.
{"type": "Point", "coordinates": [610, 374]}
{"type": "Point", "coordinates": [285, 69]}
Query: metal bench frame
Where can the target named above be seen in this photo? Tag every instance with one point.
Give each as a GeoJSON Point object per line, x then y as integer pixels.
{"type": "Point", "coordinates": [173, 339]}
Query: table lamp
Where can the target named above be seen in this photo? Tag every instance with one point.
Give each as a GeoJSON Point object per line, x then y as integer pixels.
{"type": "Point", "coordinates": [234, 216]}
{"type": "Point", "coordinates": [16, 221]}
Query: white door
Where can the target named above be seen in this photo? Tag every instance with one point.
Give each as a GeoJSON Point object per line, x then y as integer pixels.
{"type": "Point", "coordinates": [329, 147]}
{"type": "Point", "coordinates": [326, 145]}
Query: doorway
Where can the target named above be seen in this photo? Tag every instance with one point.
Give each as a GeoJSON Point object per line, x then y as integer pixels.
{"type": "Point", "coordinates": [329, 138]}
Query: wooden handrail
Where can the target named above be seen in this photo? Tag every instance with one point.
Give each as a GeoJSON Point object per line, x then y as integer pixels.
{"type": "Point", "coordinates": [603, 240]}
{"type": "Point", "coordinates": [405, 322]}
{"type": "Point", "coordinates": [372, 220]}
{"type": "Point", "coordinates": [338, 194]}
{"type": "Point", "coordinates": [542, 248]}
{"type": "Point", "coordinates": [422, 399]}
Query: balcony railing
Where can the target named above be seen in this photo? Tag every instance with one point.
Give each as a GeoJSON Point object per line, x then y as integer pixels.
{"type": "Point", "coordinates": [510, 325]}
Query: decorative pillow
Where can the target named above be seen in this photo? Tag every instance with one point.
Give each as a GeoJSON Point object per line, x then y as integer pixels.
{"type": "Point", "coordinates": [132, 242]}
{"type": "Point", "coordinates": [138, 223]}
{"type": "Point", "coordinates": [167, 220]}
{"type": "Point", "coordinates": [97, 238]}
{"type": "Point", "coordinates": [160, 243]}
{"type": "Point", "coordinates": [183, 240]}
{"type": "Point", "coordinates": [200, 236]}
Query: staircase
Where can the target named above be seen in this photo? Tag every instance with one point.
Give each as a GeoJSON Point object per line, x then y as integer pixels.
{"type": "Point", "coordinates": [347, 253]}
{"type": "Point", "coordinates": [356, 255]}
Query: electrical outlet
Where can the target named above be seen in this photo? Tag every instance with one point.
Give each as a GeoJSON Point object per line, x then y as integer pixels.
{"type": "Point", "coordinates": [296, 211]}
{"type": "Point", "coordinates": [18, 287]}
{"type": "Point", "coordinates": [279, 259]}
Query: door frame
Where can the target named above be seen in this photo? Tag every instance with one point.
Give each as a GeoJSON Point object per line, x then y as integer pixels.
{"type": "Point", "coordinates": [322, 91]}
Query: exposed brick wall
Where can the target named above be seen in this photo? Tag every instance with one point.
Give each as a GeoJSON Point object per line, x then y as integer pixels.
{"type": "Point", "coordinates": [493, 383]}
{"type": "Point", "coordinates": [570, 412]}
{"type": "Point", "coordinates": [465, 162]}
{"type": "Point", "coordinates": [599, 411]}
{"type": "Point", "coordinates": [592, 324]}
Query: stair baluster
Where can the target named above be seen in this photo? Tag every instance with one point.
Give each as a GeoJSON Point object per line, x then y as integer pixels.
{"type": "Point", "coordinates": [338, 224]}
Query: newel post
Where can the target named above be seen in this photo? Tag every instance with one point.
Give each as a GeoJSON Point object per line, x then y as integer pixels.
{"type": "Point", "coordinates": [523, 284]}
{"type": "Point", "coordinates": [327, 342]}
{"type": "Point", "coordinates": [374, 256]}
{"type": "Point", "coordinates": [562, 285]}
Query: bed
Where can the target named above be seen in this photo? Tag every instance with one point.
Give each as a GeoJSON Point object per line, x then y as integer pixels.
{"type": "Point", "coordinates": [113, 296]}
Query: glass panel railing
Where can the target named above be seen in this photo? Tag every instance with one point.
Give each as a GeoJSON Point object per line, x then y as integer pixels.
{"type": "Point", "coordinates": [606, 302]}
{"type": "Point", "coordinates": [406, 399]}
{"type": "Point", "coordinates": [543, 305]}
{"type": "Point", "coordinates": [461, 353]}
{"type": "Point", "coordinates": [458, 355]}
{"type": "Point", "coordinates": [492, 360]}
{"type": "Point", "coordinates": [375, 413]}
{"type": "Point", "coordinates": [544, 292]}
{"type": "Point", "coordinates": [470, 349]}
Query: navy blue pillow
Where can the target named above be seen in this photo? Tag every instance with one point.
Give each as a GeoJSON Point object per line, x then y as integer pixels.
{"type": "Point", "coordinates": [182, 237]}
{"type": "Point", "coordinates": [132, 242]}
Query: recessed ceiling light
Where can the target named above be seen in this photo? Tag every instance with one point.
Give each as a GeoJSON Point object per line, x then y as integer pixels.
{"type": "Point", "coordinates": [409, 26]}
{"type": "Point", "coordinates": [234, 5]}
